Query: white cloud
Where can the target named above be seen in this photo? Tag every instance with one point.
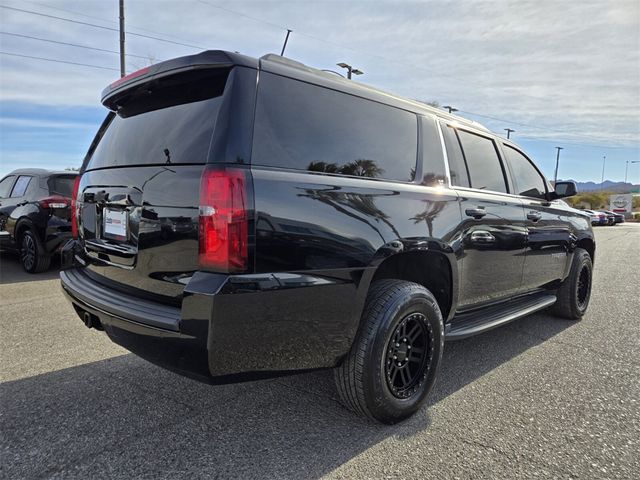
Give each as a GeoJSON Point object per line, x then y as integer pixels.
{"type": "Point", "coordinates": [30, 123]}
{"type": "Point", "coordinates": [570, 66]}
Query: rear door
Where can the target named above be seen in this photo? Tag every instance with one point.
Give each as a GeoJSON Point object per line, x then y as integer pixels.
{"type": "Point", "coordinates": [493, 233]}
{"type": "Point", "coordinates": [139, 192]}
{"type": "Point", "coordinates": [6, 184]}
{"type": "Point", "coordinates": [548, 225]}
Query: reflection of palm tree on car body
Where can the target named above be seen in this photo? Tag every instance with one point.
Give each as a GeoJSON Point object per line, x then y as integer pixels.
{"type": "Point", "coordinates": [361, 167]}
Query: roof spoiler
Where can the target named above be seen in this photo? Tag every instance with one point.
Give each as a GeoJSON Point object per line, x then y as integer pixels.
{"type": "Point", "coordinates": [207, 59]}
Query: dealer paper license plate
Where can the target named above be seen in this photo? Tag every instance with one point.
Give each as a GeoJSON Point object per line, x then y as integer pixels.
{"type": "Point", "coordinates": [115, 224]}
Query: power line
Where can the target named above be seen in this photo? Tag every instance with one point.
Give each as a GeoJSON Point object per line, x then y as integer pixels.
{"type": "Point", "coordinates": [393, 60]}
{"type": "Point", "coordinates": [548, 129]}
{"type": "Point", "coordinates": [243, 15]}
{"type": "Point", "coordinates": [116, 70]}
{"type": "Point", "coordinates": [479, 115]}
{"type": "Point", "coordinates": [260, 21]}
{"type": "Point", "coordinates": [101, 27]}
{"type": "Point", "coordinates": [68, 44]}
{"type": "Point", "coordinates": [282, 27]}
{"type": "Point", "coordinates": [74, 12]}
{"type": "Point", "coordinates": [58, 61]}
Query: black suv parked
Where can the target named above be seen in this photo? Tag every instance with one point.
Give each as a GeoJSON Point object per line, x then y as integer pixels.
{"type": "Point", "coordinates": [35, 214]}
{"type": "Point", "coordinates": [243, 218]}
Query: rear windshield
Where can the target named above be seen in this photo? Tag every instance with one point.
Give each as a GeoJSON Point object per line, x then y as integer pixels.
{"type": "Point", "coordinates": [162, 122]}
{"type": "Point", "coordinates": [61, 185]}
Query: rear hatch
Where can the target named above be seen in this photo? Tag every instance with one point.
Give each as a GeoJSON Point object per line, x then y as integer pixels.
{"type": "Point", "coordinates": [139, 193]}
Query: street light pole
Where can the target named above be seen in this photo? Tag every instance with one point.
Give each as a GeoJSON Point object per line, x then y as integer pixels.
{"type": "Point", "coordinates": [451, 109]}
{"type": "Point", "coordinates": [350, 69]}
{"type": "Point", "coordinates": [604, 162]}
{"type": "Point", "coordinates": [122, 64]}
{"type": "Point", "coordinates": [509, 131]}
{"type": "Point", "coordinates": [555, 176]}
{"type": "Point", "coordinates": [626, 170]}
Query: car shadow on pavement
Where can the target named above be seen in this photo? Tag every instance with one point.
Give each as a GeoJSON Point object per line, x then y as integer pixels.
{"type": "Point", "coordinates": [11, 270]}
{"type": "Point", "coordinates": [124, 417]}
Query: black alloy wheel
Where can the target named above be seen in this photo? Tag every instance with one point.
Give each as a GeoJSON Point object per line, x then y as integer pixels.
{"type": "Point", "coordinates": [574, 292]}
{"type": "Point", "coordinates": [409, 354]}
{"type": "Point", "coordinates": [33, 257]}
{"type": "Point", "coordinates": [584, 287]}
{"type": "Point", "coordinates": [28, 253]}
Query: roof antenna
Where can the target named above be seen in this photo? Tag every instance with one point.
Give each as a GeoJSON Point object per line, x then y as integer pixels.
{"type": "Point", "coordinates": [285, 42]}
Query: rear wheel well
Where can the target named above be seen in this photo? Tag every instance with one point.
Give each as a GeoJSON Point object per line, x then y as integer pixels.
{"type": "Point", "coordinates": [23, 226]}
{"type": "Point", "coordinates": [429, 269]}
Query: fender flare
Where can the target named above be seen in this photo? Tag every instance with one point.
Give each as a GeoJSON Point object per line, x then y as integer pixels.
{"type": "Point", "coordinates": [402, 247]}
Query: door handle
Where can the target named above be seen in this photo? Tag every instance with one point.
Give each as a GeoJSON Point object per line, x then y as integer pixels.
{"type": "Point", "coordinates": [476, 213]}
{"type": "Point", "coordinates": [534, 216]}
{"type": "Point", "coordinates": [482, 236]}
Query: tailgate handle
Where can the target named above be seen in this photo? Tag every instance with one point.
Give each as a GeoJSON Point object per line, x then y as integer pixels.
{"type": "Point", "coordinates": [121, 199]}
{"type": "Point", "coordinates": [101, 197]}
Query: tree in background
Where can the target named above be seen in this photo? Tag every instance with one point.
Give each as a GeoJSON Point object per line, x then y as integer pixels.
{"type": "Point", "coordinates": [431, 103]}
{"type": "Point", "coordinates": [596, 200]}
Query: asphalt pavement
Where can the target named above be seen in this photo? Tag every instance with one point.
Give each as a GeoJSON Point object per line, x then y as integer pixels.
{"type": "Point", "coordinates": [539, 398]}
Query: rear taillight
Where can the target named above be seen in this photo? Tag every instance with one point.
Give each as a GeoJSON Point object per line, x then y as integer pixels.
{"type": "Point", "coordinates": [224, 223]}
{"type": "Point", "coordinates": [54, 202]}
{"type": "Point", "coordinates": [74, 208]}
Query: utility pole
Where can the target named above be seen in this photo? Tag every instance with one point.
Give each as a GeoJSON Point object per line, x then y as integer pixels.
{"type": "Point", "coordinates": [450, 108]}
{"type": "Point", "coordinates": [604, 162]}
{"type": "Point", "coordinates": [509, 131]}
{"type": "Point", "coordinates": [286, 39]}
{"type": "Point", "coordinates": [555, 176]}
{"type": "Point", "coordinates": [123, 71]}
{"type": "Point", "coordinates": [626, 170]}
{"type": "Point", "coordinates": [350, 69]}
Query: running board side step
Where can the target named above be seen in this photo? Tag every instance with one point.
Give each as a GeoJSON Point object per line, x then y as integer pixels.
{"type": "Point", "coordinates": [472, 323]}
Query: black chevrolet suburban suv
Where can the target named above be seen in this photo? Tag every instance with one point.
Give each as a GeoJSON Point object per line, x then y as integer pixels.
{"type": "Point", "coordinates": [241, 218]}
{"type": "Point", "coordinates": [35, 215]}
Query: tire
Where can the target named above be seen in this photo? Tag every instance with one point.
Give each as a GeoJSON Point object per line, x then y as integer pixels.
{"type": "Point", "coordinates": [402, 323]}
{"type": "Point", "coordinates": [33, 256]}
{"type": "Point", "coordinates": [575, 291]}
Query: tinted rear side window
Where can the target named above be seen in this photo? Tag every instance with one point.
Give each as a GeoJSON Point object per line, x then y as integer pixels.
{"type": "Point", "coordinates": [5, 186]}
{"type": "Point", "coordinates": [61, 185]}
{"type": "Point", "coordinates": [172, 122]}
{"type": "Point", "coordinates": [306, 127]}
{"type": "Point", "coordinates": [21, 185]}
{"type": "Point", "coordinates": [483, 163]}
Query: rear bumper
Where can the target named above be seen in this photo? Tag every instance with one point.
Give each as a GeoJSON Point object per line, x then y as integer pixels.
{"type": "Point", "coordinates": [229, 328]}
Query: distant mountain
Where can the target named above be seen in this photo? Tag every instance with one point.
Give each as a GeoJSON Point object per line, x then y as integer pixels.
{"type": "Point", "coordinates": [608, 185]}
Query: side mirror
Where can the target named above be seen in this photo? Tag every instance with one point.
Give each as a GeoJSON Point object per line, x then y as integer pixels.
{"type": "Point", "coordinates": [565, 189]}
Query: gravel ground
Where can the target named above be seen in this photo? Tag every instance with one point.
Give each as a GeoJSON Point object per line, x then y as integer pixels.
{"type": "Point", "coordinates": [539, 398]}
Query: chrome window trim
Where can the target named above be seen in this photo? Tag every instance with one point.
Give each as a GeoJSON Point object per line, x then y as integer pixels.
{"type": "Point", "coordinates": [445, 155]}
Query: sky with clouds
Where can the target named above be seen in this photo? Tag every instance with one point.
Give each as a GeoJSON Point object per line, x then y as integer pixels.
{"type": "Point", "coordinates": [559, 72]}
